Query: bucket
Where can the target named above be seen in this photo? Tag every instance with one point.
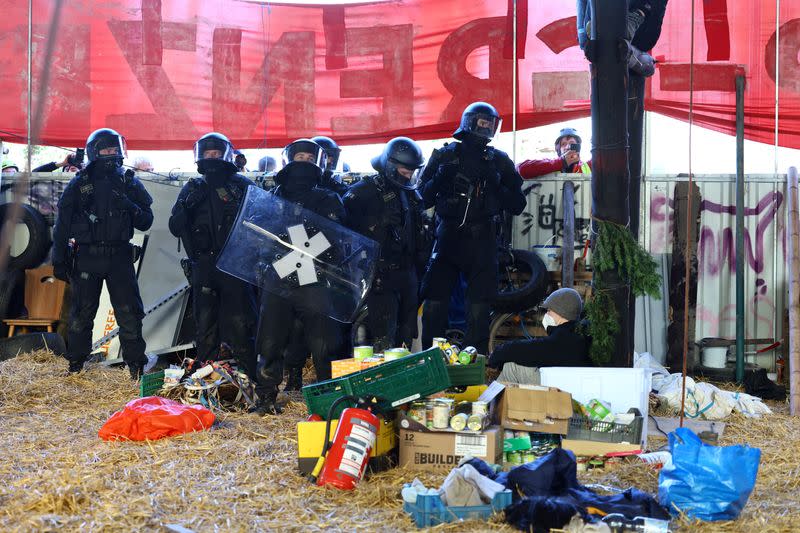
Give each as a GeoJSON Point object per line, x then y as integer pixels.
{"type": "Point", "coordinates": [715, 356]}
{"type": "Point", "coordinates": [550, 254]}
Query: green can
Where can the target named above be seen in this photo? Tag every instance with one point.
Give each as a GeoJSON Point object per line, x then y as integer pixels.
{"type": "Point", "coordinates": [468, 355]}
{"type": "Point", "coordinates": [529, 457]}
{"type": "Point", "coordinates": [514, 458]}
{"type": "Point", "coordinates": [394, 354]}
{"type": "Point", "coordinates": [362, 352]}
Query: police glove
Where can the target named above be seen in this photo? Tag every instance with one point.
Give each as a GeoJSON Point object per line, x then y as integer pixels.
{"type": "Point", "coordinates": [462, 184]}
{"type": "Point", "coordinates": [493, 179]}
{"type": "Point", "coordinates": [61, 271]}
{"type": "Point", "coordinates": [194, 198]}
{"type": "Point", "coordinates": [124, 202]}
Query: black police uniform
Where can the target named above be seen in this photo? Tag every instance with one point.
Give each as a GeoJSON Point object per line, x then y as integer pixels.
{"type": "Point", "coordinates": [332, 181]}
{"type": "Point", "coordinates": [224, 307]}
{"type": "Point", "coordinates": [298, 183]}
{"type": "Point", "coordinates": [469, 184]}
{"type": "Point", "coordinates": [100, 208]}
{"type": "Point", "coordinates": [391, 216]}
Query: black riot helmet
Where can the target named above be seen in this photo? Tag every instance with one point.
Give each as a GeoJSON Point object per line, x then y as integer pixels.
{"type": "Point", "coordinates": [332, 150]}
{"type": "Point", "coordinates": [213, 152]}
{"type": "Point", "coordinates": [317, 155]}
{"type": "Point", "coordinates": [566, 132]}
{"type": "Point", "coordinates": [303, 164]}
{"type": "Point", "coordinates": [106, 147]}
{"type": "Point", "coordinates": [400, 151]}
{"type": "Point", "coordinates": [480, 120]}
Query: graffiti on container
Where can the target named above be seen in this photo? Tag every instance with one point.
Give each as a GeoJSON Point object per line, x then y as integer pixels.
{"type": "Point", "coordinates": [549, 226]}
{"type": "Point", "coordinates": [717, 256]}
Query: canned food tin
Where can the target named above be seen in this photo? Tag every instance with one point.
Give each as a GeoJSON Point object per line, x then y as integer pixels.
{"type": "Point", "coordinates": [514, 458]}
{"type": "Point", "coordinates": [480, 408]}
{"type": "Point", "coordinates": [508, 434]}
{"type": "Point", "coordinates": [459, 422]}
{"type": "Point", "coordinates": [463, 407]}
{"type": "Point", "coordinates": [529, 457]}
{"type": "Point", "coordinates": [429, 414]}
{"type": "Point", "coordinates": [451, 353]}
{"type": "Point", "coordinates": [520, 434]}
{"type": "Point", "coordinates": [468, 355]}
{"type": "Point", "coordinates": [418, 412]}
{"type": "Point", "coordinates": [476, 422]}
{"type": "Point", "coordinates": [393, 354]}
{"type": "Point", "coordinates": [440, 342]}
{"type": "Point", "coordinates": [362, 352]}
{"type": "Point", "coordinates": [441, 415]}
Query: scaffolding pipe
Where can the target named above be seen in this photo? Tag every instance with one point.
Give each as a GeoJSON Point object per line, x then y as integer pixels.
{"type": "Point", "coordinates": [793, 269]}
{"type": "Point", "coordinates": [740, 310]}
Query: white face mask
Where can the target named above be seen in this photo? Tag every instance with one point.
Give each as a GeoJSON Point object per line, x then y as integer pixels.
{"type": "Point", "coordinates": [548, 321]}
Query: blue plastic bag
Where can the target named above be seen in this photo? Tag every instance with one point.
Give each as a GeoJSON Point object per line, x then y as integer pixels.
{"type": "Point", "coordinates": [707, 482]}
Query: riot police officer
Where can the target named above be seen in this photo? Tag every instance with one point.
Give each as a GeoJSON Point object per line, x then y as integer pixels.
{"type": "Point", "coordinates": [387, 208]}
{"type": "Point", "coordinates": [331, 178]}
{"type": "Point", "coordinates": [202, 217]}
{"type": "Point", "coordinates": [469, 183]}
{"type": "Point", "coordinates": [298, 182]}
{"type": "Point", "coordinates": [98, 211]}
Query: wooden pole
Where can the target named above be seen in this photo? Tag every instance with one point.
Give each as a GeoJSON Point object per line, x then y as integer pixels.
{"type": "Point", "coordinates": [794, 293]}
{"type": "Point", "coordinates": [610, 173]}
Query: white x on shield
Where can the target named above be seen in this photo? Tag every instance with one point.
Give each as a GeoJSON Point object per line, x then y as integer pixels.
{"type": "Point", "coordinates": [301, 259]}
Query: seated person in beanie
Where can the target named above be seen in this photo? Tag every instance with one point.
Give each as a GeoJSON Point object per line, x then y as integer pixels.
{"type": "Point", "coordinates": [563, 346]}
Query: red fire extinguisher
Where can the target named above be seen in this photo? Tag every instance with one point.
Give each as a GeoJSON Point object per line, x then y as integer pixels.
{"type": "Point", "coordinates": [344, 460]}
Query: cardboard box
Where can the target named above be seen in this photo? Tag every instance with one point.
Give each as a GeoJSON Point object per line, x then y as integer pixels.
{"type": "Point", "coordinates": [311, 437]}
{"type": "Point", "coordinates": [488, 394]}
{"type": "Point", "coordinates": [535, 408]}
{"type": "Point", "coordinates": [425, 451]}
{"type": "Point", "coordinates": [592, 448]}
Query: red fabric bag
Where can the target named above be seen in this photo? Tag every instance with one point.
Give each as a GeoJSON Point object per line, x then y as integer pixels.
{"type": "Point", "coordinates": [153, 417]}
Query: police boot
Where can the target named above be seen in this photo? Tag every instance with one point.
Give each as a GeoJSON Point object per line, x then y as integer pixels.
{"type": "Point", "coordinates": [268, 405]}
{"type": "Point", "coordinates": [294, 382]}
{"type": "Point", "coordinates": [136, 371]}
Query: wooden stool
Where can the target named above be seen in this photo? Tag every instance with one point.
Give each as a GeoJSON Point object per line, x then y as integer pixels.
{"type": "Point", "coordinates": [44, 296]}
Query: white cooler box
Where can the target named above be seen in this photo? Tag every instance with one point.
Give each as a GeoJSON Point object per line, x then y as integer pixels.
{"type": "Point", "coordinates": [623, 388]}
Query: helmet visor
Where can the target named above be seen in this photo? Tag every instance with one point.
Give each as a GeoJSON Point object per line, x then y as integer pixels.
{"type": "Point", "coordinates": [305, 151]}
{"type": "Point", "coordinates": [484, 125]}
{"type": "Point", "coordinates": [110, 147]}
{"type": "Point", "coordinates": [213, 148]}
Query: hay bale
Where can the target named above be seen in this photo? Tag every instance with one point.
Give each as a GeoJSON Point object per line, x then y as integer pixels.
{"type": "Point", "coordinates": [241, 475]}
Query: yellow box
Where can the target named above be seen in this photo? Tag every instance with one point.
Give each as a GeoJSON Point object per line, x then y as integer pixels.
{"type": "Point", "coordinates": [472, 394]}
{"type": "Point", "coordinates": [343, 367]}
{"type": "Point", "coordinates": [311, 438]}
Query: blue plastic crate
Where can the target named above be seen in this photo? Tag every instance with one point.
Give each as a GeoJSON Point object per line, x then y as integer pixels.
{"type": "Point", "coordinates": [430, 511]}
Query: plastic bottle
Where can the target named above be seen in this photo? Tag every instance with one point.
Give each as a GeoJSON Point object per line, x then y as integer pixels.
{"type": "Point", "coordinates": [619, 523]}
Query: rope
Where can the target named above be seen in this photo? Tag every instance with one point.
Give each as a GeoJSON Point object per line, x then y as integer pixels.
{"type": "Point", "coordinates": [686, 258]}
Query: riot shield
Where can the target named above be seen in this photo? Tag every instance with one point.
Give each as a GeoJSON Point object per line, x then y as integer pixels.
{"type": "Point", "coordinates": [311, 261]}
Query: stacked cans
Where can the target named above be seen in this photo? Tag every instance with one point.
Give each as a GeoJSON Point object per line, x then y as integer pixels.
{"type": "Point", "coordinates": [442, 413]}
{"type": "Point", "coordinates": [541, 445]}
{"type": "Point", "coordinates": [453, 355]}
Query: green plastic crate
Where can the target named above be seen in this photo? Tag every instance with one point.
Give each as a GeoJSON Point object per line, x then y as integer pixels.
{"type": "Point", "coordinates": [404, 380]}
{"type": "Point", "coordinates": [149, 384]}
{"type": "Point", "coordinates": [395, 382]}
{"type": "Point", "coordinates": [464, 375]}
{"type": "Point", "coordinates": [582, 428]}
{"type": "Point", "coordinates": [320, 396]}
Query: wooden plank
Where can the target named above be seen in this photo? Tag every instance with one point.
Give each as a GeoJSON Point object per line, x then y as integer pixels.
{"type": "Point", "coordinates": [677, 282]}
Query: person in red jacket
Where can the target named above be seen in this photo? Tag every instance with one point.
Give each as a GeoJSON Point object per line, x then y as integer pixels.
{"type": "Point", "coordinates": [568, 148]}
